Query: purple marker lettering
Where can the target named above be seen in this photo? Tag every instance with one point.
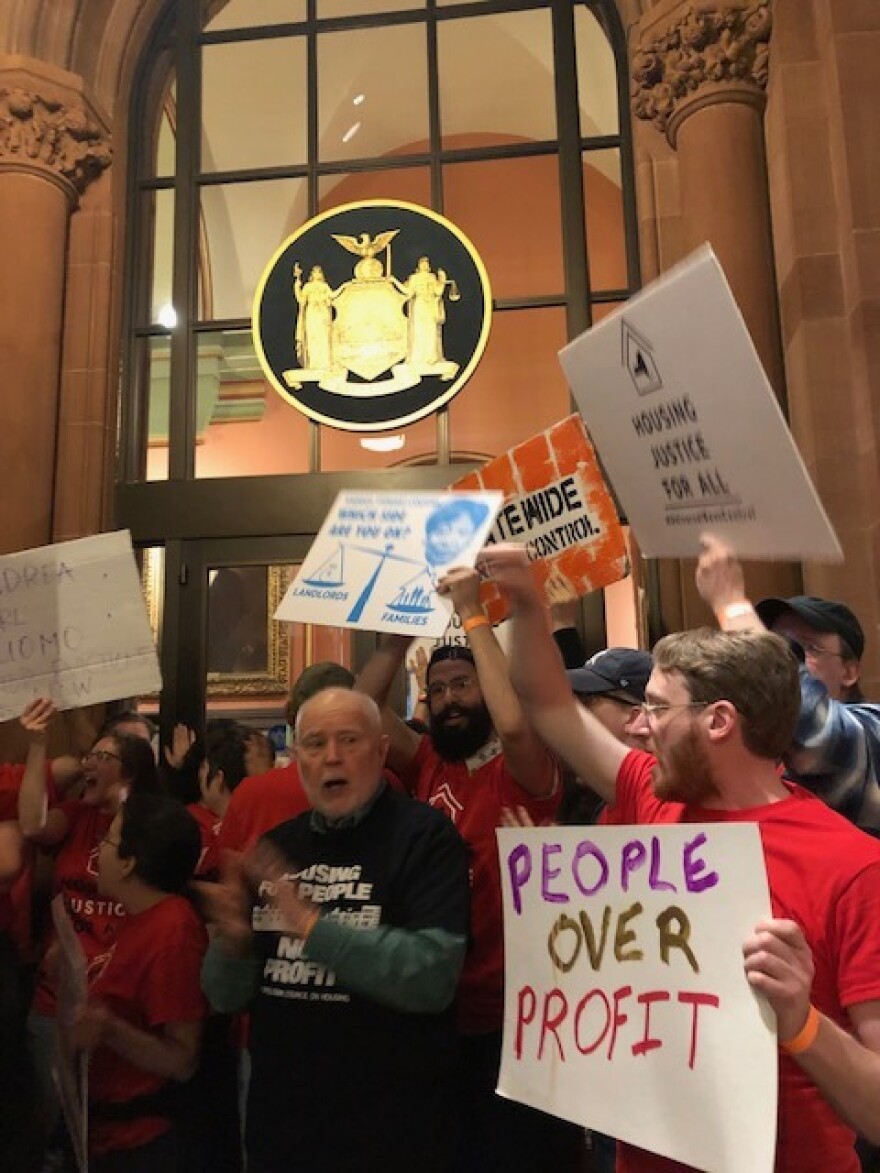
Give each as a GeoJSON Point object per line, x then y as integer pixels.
{"type": "Point", "coordinates": [519, 864]}
{"type": "Point", "coordinates": [586, 848]}
{"type": "Point", "coordinates": [632, 857]}
{"type": "Point", "coordinates": [694, 881]}
{"type": "Point", "coordinates": [549, 874]}
{"type": "Point", "coordinates": [654, 878]}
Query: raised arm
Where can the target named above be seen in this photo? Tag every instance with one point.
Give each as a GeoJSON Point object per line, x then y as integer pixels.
{"type": "Point", "coordinates": [719, 579]}
{"type": "Point", "coordinates": [375, 679]}
{"type": "Point", "coordinates": [525, 755]}
{"type": "Point", "coordinates": [538, 676]}
{"type": "Point", "coordinates": [37, 822]}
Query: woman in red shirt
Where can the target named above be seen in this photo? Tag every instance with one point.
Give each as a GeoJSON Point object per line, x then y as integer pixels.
{"type": "Point", "coordinates": [143, 1020]}
{"type": "Point", "coordinates": [116, 766]}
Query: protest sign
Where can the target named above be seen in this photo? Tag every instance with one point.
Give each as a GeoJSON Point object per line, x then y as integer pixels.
{"type": "Point", "coordinates": [557, 504]}
{"type": "Point", "coordinates": [378, 557]}
{"type": "Point", "coordinates": [626, 1006]}
{"type": "Point", "coordinates": [687, 425]}
{"type": "Point", "coordinates": [73, 625]}
{"type": "Point", "coordinates": [71, 1073]}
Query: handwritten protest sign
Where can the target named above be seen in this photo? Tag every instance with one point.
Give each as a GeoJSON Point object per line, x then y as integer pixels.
{"type": "Point", "coordinates": [556, 503]}
{"type": "Point", "coordinates": [626, 1006]}
{"type": "Point", "coordinates": [687, 425]}
{"type": "Point", "coordinates": [73, 625]}
{"type": "Point", "coordinates": [72, 1071]}
{"type": "Point", "coordinates": [378, 557]}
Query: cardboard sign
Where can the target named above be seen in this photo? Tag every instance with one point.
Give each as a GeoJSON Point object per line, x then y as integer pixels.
{"type": "Point", "coordinates": [556, 503]}
{"type": "Point", "coordinates": [378, 557]}
{"type": "Point", "coordinates": [626, 1006]}
{"type": "Point", "coordinates": [74, 626]}
{"type": "Point", "coordinates": [687, 425]}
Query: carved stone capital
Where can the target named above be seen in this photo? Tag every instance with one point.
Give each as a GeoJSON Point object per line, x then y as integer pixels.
{"type": "Point", "coordinates": [44, 134]}
{"type": "Point", "coordinates": [710, 55]}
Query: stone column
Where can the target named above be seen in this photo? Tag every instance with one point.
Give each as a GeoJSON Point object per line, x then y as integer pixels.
{"type": "Point", "coordinates": [51, 147]}
{"type": "Point", "coordinates": [699, 76]}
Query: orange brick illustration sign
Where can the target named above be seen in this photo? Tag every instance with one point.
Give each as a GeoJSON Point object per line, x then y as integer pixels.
{"type": "Point", "coordinates": [556, 503]}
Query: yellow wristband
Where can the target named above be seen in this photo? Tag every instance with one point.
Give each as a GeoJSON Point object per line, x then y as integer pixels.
{"type": "Point", "coordinates": [475, 621]}
{"type": "Point", "coordinates": [805, 1037]}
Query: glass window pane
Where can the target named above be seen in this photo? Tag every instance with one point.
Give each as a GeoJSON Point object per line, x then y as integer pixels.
{"type": "Point", "coordinates": [411, 184]}
{"type": "Point", "coordinates": [233, 14]}
{"type": "Point", "coordinates": [372, 92]}
{"type": "Point", "coordinates": [510, 210]}
{"type": "Point", "coordinates": [597, 75]}
{"type": "Point", "coordinates": [253, 104]}
{"type": "Point", "coordinates": [153, 373]}
{"type": "Point", "coordinates": [242, 224]}
{"type": "Point", "coordinates": [244, 427]}
{"type": "Point", "coordinates": [344, 451]}
{"type": "Point", "coordinates": [158, 226]}
{"type": "Point", "coordinates": [483, 61]}
{"type": "Point", "coordinates": [606, 230]}
{"type": "Point", "coordinates": [518, 389]}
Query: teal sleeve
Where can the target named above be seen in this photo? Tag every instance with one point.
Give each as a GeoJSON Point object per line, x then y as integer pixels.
{"type": "Point", "coordinates": [229, 982]}
{"type": "Point", "coordinates": [412, 970]}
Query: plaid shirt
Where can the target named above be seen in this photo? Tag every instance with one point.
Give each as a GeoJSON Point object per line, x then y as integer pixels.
{"type": "Point", "coordinates": [836, 753]}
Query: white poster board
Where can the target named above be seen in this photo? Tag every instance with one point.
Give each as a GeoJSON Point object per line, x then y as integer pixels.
{"type": "Point", "coordinates": [626, 1006]}
{"type": "Point", "coordinates": [378, 557]}
{"type": "Point", "coordinates": [74, 625]}
{"type": "Point", "coordinates": [688, 428]}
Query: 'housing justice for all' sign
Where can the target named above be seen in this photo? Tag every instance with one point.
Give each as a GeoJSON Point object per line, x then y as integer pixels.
{"type": "Point", "coordinates": [626, 1006]}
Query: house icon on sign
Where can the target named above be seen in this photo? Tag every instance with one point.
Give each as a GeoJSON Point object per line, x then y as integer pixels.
{"type": "Point", "coordinates": [637, 355]}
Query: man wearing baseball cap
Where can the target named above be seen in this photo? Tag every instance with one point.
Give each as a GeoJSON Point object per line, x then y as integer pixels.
{"type": "Point", "coordinates": [836, 747]}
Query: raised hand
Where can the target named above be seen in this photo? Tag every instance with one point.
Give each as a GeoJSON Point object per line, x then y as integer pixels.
{"type": "Point", "coordinates": [36, 718]}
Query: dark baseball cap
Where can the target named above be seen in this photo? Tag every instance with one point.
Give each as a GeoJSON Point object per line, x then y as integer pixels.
{"type": "Point", "coordinates": [314, 679]}
{"type": "Point", "coordinates": [450, 652]}
{"type": "Point", "coordinates": [820, 614]}
{"type": "Point", "coordinates": [623, 670]}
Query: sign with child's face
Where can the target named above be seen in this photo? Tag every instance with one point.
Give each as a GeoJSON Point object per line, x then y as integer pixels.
{"type": "Point", "coordinates": [627, 1009]}
{"type": "Point", "coordinates": [377, 560]}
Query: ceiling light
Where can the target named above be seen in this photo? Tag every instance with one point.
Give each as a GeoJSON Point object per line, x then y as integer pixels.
{"type": "Point", "coordinates": [357, 99]}
{"type": "Point", "coordinates": [351, 132]}
{"type": "Point", "coordinates": [383, 443]}
{"type": "Point", "coordinates": [168, 316]}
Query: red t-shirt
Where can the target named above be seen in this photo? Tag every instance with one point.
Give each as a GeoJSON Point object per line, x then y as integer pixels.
{"type": "Point", "coordinates": [473, 794]}
{"type": "Point", "coordinates": [149, 977]}
{"type": "Point", "coordinates": [209, 829]}
{"type": "Point", "coordinates": [95, 919]}
{"type": "Point", "coordinates": [824, 874]}
{"type": "Point", "coordinates": [258, 804]}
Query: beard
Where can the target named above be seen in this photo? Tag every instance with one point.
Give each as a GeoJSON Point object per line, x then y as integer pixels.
{"type": "Point", "coordinates": [456, 743]}
{"type": "Point", "coordinates": [684, 773]}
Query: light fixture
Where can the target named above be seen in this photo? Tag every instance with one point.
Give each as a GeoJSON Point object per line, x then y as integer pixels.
{"type": "Point", "coordinates": [357, 100]}
{"type": "Point", "coordinates": [167, 316]}
{"type": "Point", "coordinates": [351, 132]}
{"type": "Point", "coordinates": [383, 443]}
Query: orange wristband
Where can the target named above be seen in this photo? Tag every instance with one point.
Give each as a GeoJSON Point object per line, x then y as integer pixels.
{"type": "Point", "coordinates": [475, 621]}
{"type": "Point", "coordinates": [805, 1037]}
{"type": "Point", "coordinates": [314, 917]}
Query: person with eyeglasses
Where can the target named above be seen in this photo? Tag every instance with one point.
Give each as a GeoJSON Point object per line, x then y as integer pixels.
{"type": "Point", "coordinates": [142, 1022]}
{"type": "Point", "coordinates": [116, 765]}
{"type": "Point", "coordinates": [479, 756]}
{"type": "Point", "coordinates": [720, 710]}
{"type": "Point", "coordinates": [835, 749]}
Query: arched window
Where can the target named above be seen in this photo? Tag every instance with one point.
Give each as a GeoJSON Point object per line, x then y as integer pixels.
{"type": "Point", "coordinates": [250, 116]}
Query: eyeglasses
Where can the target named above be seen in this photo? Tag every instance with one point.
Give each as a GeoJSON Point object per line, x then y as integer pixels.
{"type": "Point", "coordinates": [100, 755]}
{"type": "Point", "coordinates": [457, 686]}
{"type": "Point", "coordinates": [651, 711]}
